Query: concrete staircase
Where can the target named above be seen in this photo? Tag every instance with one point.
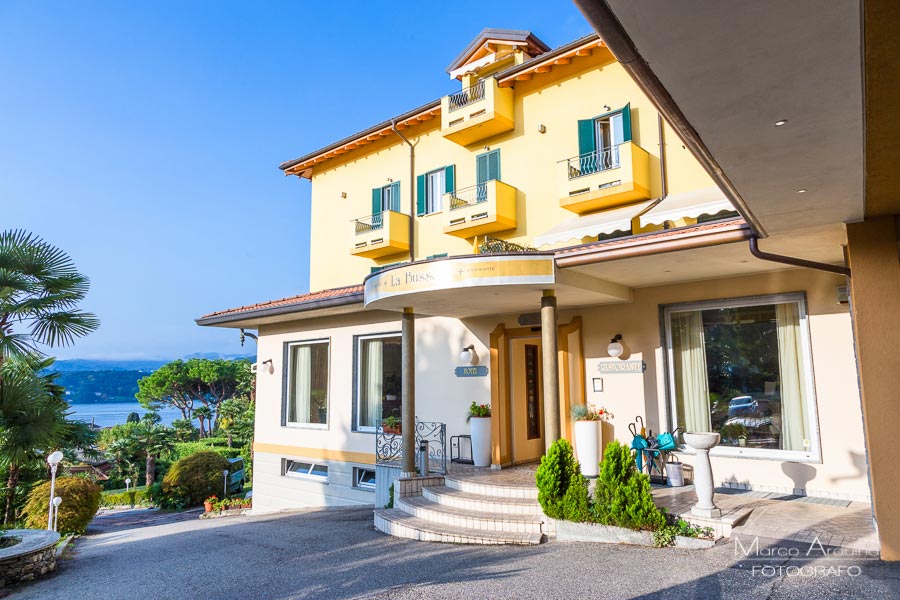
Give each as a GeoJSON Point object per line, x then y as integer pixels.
{"type": "Point", "coordinates": [463, 509]}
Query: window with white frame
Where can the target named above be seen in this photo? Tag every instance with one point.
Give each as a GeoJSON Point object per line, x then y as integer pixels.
{"type": "Point", "coordinates": [306, 396]}
{"type": "Point", "coordinates": [742, 368]}
{"type": "Point", "coordinates": [378, 376]}
{"type": "Point", "coordinates": [364, 478]}
{"type": "Point", "coordinates": [304, 470]}
{"type": "Point", "coordinates": [434, 190]}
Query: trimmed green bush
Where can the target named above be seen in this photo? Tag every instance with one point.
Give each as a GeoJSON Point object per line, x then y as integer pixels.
{"type": "Point", "coordinates": [80, 501]}
{"type": "Point", "coordinates": [558, 467]}
{"type": "Point", "coordinates": [133, 497]}
{"type": "Point", "coordinates": [194, 478]}
{"type": "Point", "coordinates": [576, 504]}
{"type": "Point", "coordinates": [622, 496]}
{"type": "Point", "coordinates": [185, 449]}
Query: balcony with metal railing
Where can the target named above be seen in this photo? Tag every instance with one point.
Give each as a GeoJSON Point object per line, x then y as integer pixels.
{"type": "Point", "coordinates": [480, 209]}
{"type": "Point", "coordinates": [477, 112]}
{"type": "Point", "coordinates": [381, 234]}
{"type": "Point", "coordinates": [604, 179]}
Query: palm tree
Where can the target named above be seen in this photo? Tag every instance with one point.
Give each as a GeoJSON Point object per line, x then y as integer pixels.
{"type": "Point", "coordinates": [202, 413]}
{"type": "Point", "coordinates": [156, 441]}
{"type": "Point", "coordinates": [32, 420]}
{"type": "Point", "coordinates": [40, 289]}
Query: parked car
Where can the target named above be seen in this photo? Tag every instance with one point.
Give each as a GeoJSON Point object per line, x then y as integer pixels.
{"type": "Point", "coordinates": [235, 475]}
{"type": "Point", "coordinates": [742, 405]}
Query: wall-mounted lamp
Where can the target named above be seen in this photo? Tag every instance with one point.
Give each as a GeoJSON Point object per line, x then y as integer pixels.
{"type": "Point", "coordinates": [468, 355]}
{"type": "Point", "coordinates": [343, 194]}
{"type": "Point", "coordinates": [267, 366]}
{"type": "Point", "coordinates": [606, 107]}
{"type": "Point", "coordinates": [542, 128]}
{"type": "Point", "coordinates": [487, 148]}
{"type": "Point", "coordinates": [615, 348]}
{"type": "Point", "coordinates": [390, 180]}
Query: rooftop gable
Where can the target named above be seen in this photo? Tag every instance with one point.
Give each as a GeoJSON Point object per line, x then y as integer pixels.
{"type": "Point", "coordinates": [491, 40]}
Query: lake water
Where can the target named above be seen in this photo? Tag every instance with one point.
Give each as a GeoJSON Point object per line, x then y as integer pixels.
{"type": "Point", "coordinates": [113, 413]}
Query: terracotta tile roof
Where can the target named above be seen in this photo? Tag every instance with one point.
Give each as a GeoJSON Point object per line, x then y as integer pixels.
{"type": "Point", "coordinates": [291, 301]}
{"type": "Point", "coordinates": [656, 236]}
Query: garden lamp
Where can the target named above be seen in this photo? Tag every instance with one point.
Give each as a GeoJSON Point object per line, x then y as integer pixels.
{"type": "Point", "coordinates": [53, 460]}
{"type": "Point", "coordinates": [57, 500]}
{"type": "Point", "coordinates": [127, 483]}
{"type": "Point", "coordinates": [225, 475]}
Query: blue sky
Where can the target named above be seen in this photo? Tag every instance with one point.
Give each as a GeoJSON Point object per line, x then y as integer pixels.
{"type": "Point", "coordinates": [144, 139]}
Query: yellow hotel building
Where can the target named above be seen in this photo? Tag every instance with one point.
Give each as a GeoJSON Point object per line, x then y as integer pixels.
{"type": "Point", "coordinates": [533, 216]}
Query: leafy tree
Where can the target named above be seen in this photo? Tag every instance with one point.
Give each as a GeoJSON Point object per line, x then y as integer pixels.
{"type": "Point", "coordinates": [196, 382]}
{"type": "Point", "coordinates": [184, 430]}
{"type": "Point", "coordinates": [202, 414]}
{"type": "Point", "coordinates": [155, 441]}
{"type": "Point", "coordinates": [32, 421]}
{"type": "Point", "coordinates": [151, 418]}
{"type": "Point", "coordinates": [236, 417]}
{"type": "Point", "coordinates": [40, 290]}
{"type": "Point", "coordinates": [133, 417]}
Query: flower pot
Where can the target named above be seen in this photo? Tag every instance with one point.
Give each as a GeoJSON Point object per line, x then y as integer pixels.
{"type": "Point", "coordinates": [207, 506]}
{"type": "Point", "coordinates": [587, 447]}
{"type": "Point", "coordinates": [481, 441]}
{"type": "Point", "coordinates": [394, 430]}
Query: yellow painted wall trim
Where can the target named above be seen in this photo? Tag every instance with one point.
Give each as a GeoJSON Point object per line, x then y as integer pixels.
{"type": "Point", "coordinates": [321, 453]}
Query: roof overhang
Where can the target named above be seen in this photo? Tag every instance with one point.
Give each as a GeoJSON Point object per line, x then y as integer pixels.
{"type": "Point", "coordinates": [724, 73]}
{"type": "Point", "coordinates": [285, 311]}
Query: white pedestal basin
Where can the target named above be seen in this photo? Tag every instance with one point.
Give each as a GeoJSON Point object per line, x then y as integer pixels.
{"type": "Point", "coordinates": [703, 478]}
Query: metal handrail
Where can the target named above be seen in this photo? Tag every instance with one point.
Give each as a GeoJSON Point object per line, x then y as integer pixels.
{"type": "Point", "coordinates": [369, 223]}
{"type": "Point", "coordinates": [389, 446]}
{"type": "Point", "coordinates": [592, 162]}
{"type": "Point", "coordinates": [467, 96]}
{"type": "Point", "coordinates": [468, 196]}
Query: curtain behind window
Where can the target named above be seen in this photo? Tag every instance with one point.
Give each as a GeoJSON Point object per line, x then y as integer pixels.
{"type": "Point", "coordinates": [791, 377]}
{"type": "Point", "coordinates": [372, 384]}
{"type": "Point", "coordinates": [300, 402]}
{"type": "Point", "coordinates": [691, 387]}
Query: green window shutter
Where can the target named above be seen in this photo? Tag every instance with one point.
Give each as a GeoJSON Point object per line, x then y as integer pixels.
{"type": "Point", "coordinates": [395, 196]}
{"type": "Point", "coordinates": [626, 123]}
{"type": "Point", "coordinates": [587, 139]}
{"type": "Point", "coordinates": [494, 165]}
{"type": "Point", "coordinates": [449, 179]}
{"type": "Point", "coordinates": [376, 201]}
{"type": "Point", "coordinates": [420, 195]}
{"type": "Point", "coordinates": [481, 168]}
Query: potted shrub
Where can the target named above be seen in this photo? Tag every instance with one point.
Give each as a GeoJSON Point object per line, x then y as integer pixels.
{"type": "Point", "coordinates": [208, 503]}
{"type": "Point", "coordinates": [391, 424]}
{"type": "Point", "coordinates": [588, 437]}
{"type": "Point", "coordinates": [479, 419]}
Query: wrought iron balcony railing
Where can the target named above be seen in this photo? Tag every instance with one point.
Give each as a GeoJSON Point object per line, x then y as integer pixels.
{"type": "Point", "coordinates": [369, 223]}
{"type": "Point", "coordinates": [593, 162]}
{"type": "Point", "coordinates": [467, 96]}
{"type": "Point", "coordinates": [389, 446]}
{"type": "Point", "coordinates": [468, 196]}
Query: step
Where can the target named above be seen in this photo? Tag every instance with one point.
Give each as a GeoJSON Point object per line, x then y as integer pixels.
{"type": "Point", "coordinates": [397, 523]}
{"type": "Point", "coordinates": [464, 484]}
{"type": "Point", "coordinates": [451, 497]}
{"type": "Point", "coordinates": [423, 508]}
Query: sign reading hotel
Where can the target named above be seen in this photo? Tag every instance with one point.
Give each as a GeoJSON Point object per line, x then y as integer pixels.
{"type": "Point", "coordinates": [622, 366]}
{"type": "Point", "coordinates": [479, 371]}
{"type": "Point", "coordinates": [476, 271]}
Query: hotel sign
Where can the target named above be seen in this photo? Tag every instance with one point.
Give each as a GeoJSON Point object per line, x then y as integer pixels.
{"type": "Point", "coordinates": [471, 272]}
{"type": "Point", "coordinates": [478, 371]}
{"type": "Point", "coordinates": [622, 366]}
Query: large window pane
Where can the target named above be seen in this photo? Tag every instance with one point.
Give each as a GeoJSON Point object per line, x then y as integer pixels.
{"type": "Point", "coordinates": [739, 371]}
{"type": "Point", "coordinates": [307, 398]}
{"type": "Point", "coordinates": [379, 372]}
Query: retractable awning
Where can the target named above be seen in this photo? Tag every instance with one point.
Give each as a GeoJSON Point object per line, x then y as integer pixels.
{"type": "Point", "coordinates": [693, 204]}
{"type": "Point", "coordinates": [606, 222]}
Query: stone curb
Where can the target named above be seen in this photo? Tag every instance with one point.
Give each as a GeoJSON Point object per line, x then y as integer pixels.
{"type": "Point", "coordinates": [232, 512]}
{"type": "Point", "coordinates": [567, 531]}
{"type": "Point", "coordinates": [61, 548]}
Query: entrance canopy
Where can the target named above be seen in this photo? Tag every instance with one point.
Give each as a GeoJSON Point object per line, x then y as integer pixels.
{"type": "Point", "coordinates": [485, 285]}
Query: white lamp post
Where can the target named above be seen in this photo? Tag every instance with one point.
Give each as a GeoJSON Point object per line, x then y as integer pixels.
{"type": "Point", "coordinates": [127, 483]}
{"type": "Point", "coordinates": [225, 476]}
{"type": "Point", "coordinates": [56, 502]}
{"type": "Point", "coordinates": [53, 460]}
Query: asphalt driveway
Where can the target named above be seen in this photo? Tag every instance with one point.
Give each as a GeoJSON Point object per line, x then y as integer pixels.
{"type": "Point", "coordinates": [336, 553]}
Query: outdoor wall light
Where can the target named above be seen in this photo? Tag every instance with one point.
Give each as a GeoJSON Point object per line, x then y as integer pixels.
{"type": "Point", "coordinates": [606, 107]}
{"type": "Point", "coordinates": [615, 348]}
{"type": "Point", "coordinates": [343, 194]}
{"type": "Point", "coordinates": [781, 123]}
{"type": "Point", "coordinates": [468, 355]}
{"type": "Point", "coordinates": [487, 148]}
{"type": "Point", "coordinates": [267, 366]}
{"type": "Point", "coordinates": [390, 180]}
{"type": "Point", "coordinates": [542, 128]}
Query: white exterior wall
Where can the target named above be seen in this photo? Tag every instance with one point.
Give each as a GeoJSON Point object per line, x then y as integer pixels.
{"type": "Point", "coordinates": [440, 396]}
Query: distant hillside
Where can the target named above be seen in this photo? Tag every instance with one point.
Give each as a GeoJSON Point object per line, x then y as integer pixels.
{"type": "Point", "coordinates": [89, 387]}
{"type": "Point", "coordinates": [147, 365]}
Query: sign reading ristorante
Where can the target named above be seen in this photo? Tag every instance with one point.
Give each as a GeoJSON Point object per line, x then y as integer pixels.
{"type": "Point", "coordinates": [475, 271]}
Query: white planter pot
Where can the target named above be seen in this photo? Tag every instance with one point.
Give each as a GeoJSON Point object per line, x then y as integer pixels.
{"type": "Point", "coordinates": [587, 447]}
{"type": "Point", "coordinates": [481, 441]}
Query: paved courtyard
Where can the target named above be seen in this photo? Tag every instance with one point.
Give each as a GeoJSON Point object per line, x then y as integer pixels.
{"type": "Point", "coordinates": [336, 553]}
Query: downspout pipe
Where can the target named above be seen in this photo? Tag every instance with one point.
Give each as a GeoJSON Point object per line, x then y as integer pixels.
{"type": "Point", "coordinates": [412, 191]}
{"type": "Point", "coordinates": [797, 262]}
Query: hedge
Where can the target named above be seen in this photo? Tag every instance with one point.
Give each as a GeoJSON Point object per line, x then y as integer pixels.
{"type": "Point", "coordinates": [134, 496]}
{"type": "Point", "coordinates": [80, 501]}
{"type": "Point", "coordinates": [185, 449]}
{"type": "Point", "coordinates": [194, 478]}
